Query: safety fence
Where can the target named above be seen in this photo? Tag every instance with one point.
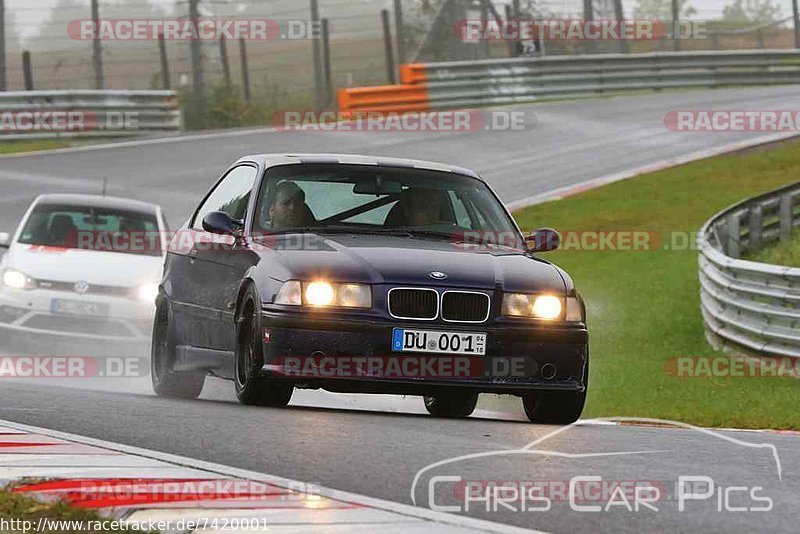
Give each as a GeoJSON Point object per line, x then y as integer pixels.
{"type": "Point", "coordinates": [87, 113]}
{"type": "Point", "coordinates": [755, 306]}
{"type": "Point", "coordinates": [506, 81]}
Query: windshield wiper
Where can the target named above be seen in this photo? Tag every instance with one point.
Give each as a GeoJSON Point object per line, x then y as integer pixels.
{"type": "Point", "coordinates": [432, 234]}
{"type": "Point", "coordinates": [336, 230]}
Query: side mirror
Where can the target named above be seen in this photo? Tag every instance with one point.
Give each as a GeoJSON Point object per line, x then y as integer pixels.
{"type": "Point", "coordinates": [5, 240]}
{"type": "Point", "coordinates": [219, 222]}
{"type": "Point", "coordinates": [543, 240]}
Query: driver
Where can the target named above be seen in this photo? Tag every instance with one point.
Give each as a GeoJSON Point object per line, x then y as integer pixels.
{"type": "Point", "coordinates": [287, 207]}
{"type": "Point", "coordinates": [422, 207]}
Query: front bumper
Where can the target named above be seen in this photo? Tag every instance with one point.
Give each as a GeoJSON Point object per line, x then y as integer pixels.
{"type": "Point", "coordinates": [520, 357]}
{"type": "Point", "coordinates": [29, 313]}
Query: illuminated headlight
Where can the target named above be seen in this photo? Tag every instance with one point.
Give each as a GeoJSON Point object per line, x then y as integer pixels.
{"type": "Point", "coordinates": [321, 294]}
{"type": "Point", "coordinates": [147, 292]}
{"type": "Point", "coordinates": [17, 280]}
{"type": "Point", "coordinates": [544, 307]}
{"type": "Point", "coordinates": [547, 307]}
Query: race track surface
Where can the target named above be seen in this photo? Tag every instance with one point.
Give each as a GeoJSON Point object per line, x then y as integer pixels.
{"type": "Point", "coordinates": [376, 445]}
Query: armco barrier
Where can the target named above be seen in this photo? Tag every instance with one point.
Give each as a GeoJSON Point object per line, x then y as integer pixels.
{"type": "Point", "coordinates": [504, 81]}
{"type": "Point", "coordinates": [86, 113]}
{"type": "Point", "coordinates": [384, 98]}
{"type": "Point", "coordinates": [752, 305]}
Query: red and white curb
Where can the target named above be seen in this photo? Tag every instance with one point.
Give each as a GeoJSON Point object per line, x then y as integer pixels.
{"type": "Point", "coordinates": [143, 486]}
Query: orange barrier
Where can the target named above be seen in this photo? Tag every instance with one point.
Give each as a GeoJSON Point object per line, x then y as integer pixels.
{"type": "Point", "coordinates": [413, 73]}
{"type": "Point", "coordinates": [384, 99]}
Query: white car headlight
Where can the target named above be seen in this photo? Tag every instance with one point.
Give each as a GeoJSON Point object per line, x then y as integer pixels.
{"type": "Point", "coordinates": [17, 280]}
{"type": "Point", "coordinates": [547, 307]}
{"type": "Point", "coordinates": [355, 296]}
{"type": "Point", "coordinates": [321, 294]}
{"type": "Point", "coordinates": [147, 292]}
{"type": "Point", "coordinates": [544, 307]}
{"type": "Point", "coordinates": [291, 293]}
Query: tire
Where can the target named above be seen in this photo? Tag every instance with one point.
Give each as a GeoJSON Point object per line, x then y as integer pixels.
{"type": "Point", "coordinates": [251, 387]}
{"type": "Point", "coordinates": [166, 382]}
{"type": "Point", "coordinates": [452, 404]}
{"type": "Point", "coordinates": [556, 407]}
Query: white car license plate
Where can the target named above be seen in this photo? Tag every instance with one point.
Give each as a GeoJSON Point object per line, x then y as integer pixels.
{"type": "Point", "coordinates": [77, 307]}
{"type": "Point", "coordinates": [431, 341]}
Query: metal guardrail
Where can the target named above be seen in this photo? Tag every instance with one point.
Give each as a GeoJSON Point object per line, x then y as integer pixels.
{"type": "Point", "coordinates": [506, 81]}
{"type": "Point", "coordinates": [752, 305]}
{"type": "Point", "coordinates": [86, 113]}
{"type": "Point", "coordinates": [523, 79]}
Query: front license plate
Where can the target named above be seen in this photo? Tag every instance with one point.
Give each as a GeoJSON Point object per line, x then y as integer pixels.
{"type": "Point", "coordinates": [77, 307]}
{"type": "Point", "coordinates": [431, 341]}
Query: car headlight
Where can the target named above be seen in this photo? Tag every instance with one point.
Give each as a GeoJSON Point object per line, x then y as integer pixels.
{"type": "Point", "coordinates": [17, 280]}
{"type": "Point", "coordinates": [354, 296]}
{"type": "Point", "coordinates": [547, 307]}
{"type": "Point", "coordinates": [147, 292]}
{"type": "Point", "coordinates": [291, 293]}
{"type": "Point", "coordinates": [321, 294]}
{"type": "Point", "coordinates": [543, 307]}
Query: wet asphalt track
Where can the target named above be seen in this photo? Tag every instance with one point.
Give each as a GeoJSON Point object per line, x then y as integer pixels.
{"type": "Point", "coordinates": [376, 445]}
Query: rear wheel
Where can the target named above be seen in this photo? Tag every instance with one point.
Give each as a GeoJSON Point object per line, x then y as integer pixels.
{"type": "Point", "coordinates": [252, 387]}
{"type": "Point", "coordinates": [166, 381]}
{"type": "Point", "coordinates": [451, 404]}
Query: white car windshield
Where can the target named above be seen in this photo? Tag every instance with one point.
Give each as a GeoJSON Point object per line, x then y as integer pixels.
{"type": "Point", "coordinates": [91, 228]}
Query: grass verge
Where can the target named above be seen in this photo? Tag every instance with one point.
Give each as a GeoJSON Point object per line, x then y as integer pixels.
{"type": "Point", "coordinates": [23, 508]}
{"type": "Point", "coordinates": [13, 147]}
{"type": "Point", "coordinates": [644, 306]}
{"type": "Point", "coordinates": [781, 254]}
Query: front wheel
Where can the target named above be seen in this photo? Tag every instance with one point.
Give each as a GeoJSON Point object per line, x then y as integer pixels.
{"type": "Point", "coordinates": [251, 387]}
{"type": "Point", "coordinates": [166, 381]}
{"type": "Point", "coordinates": [452, 404]}
{"type": "Point", "coordinates": [556, 407]}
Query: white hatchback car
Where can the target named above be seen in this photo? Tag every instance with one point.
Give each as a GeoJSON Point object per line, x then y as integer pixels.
{"type": "Point", "coordinates": [82, 267]}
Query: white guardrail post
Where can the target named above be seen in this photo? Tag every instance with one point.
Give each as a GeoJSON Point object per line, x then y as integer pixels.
{"type": "Point", "coordinates": [87, 113]}
{"type": "Point", "coordinates": [755, 306]}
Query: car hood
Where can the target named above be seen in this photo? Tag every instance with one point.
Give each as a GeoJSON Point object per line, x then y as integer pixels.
{"type": "Point", "coordinates": [403, 260]}
{"type": "Point", "coordinates": [72, 265]}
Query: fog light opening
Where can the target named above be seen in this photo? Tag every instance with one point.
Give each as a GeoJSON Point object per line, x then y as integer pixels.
{"type": "Point", "coordinates": [548, 371]}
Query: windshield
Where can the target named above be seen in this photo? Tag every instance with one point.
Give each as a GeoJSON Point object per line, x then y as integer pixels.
{"type": "Point", "coordinates": [357, 198]}
{"type": "Point", "coordinates": [91, 228]}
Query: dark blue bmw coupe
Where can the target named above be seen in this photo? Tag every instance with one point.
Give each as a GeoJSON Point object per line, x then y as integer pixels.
{"type": "Point", "coordinates": [369, 275]}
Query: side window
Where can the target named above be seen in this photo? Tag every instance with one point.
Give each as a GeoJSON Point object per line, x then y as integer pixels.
{"type": "Point", "coordinates": [231, 195]}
